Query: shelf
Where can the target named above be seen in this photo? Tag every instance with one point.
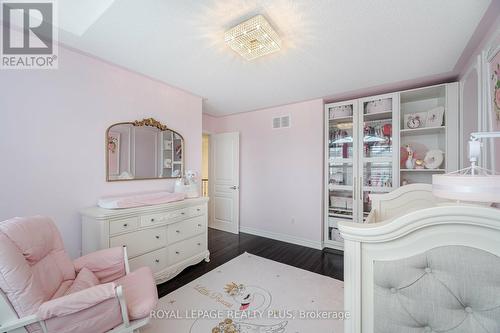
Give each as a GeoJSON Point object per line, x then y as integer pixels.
{"type": "Point", "coordinates": [382, 159]}
{"type": "Point", "coordinates": [378, 116]}
{"type": "Point", "coordinates": [339, 160]}
{"type": "Point", "coordinates": [341, 119]}
{"type": "Point", "coordinates": [377, 189]}
{"type": "Point", "coordinates": [424, 130]}
{"type": "Point", "coordinates": [342, 188]}
{"type": "Point", "coordinates": [423, 170]}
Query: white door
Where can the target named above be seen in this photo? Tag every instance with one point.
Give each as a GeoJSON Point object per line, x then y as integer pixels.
{"type": "Point", "coordinates": [224, 181]}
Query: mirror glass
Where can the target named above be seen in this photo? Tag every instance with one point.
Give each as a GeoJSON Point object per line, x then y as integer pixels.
{"type": "Point", "coordinates": [143, 151]}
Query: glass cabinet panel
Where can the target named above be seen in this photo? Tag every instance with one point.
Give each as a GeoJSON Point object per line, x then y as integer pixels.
{"type": "Point", "coordinates": [377, 144]}
{"type": "Point", "coordinates": [341, 166]}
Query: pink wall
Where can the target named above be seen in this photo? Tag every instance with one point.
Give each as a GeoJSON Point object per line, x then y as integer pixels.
{"type": "Point", "coordinates": [209, 123]}
{"type": "Point", "coordinates": [52, 125]}
{"type": "Point", "coordinates": [281, 171]}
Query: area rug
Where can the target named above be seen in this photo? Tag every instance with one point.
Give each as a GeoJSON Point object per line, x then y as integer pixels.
{"type": "Point", "coordinates": [252, 294]}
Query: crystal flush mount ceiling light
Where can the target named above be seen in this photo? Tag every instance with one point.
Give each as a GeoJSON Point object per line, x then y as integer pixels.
{"type": "Point", "coordinates": [253, 38]}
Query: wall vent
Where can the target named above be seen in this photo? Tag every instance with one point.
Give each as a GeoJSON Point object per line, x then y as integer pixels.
{"type": "Point", "coordinates": [285, 121]}
{"type": "Point", "coordinates": [281, 122]}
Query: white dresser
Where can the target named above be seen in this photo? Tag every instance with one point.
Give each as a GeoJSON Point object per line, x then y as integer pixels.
{"type": "Point", "coordinates": [167, 237]}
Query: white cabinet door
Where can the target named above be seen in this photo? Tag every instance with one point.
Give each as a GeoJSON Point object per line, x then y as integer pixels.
{"type": "Point", "coordinates": [378, 149]}
{"type": "Point", "coordinates": [224, 182]}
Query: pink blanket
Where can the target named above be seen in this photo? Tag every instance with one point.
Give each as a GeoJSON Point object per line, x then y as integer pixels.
{"type": "Point", "coordinates": [138, 200]}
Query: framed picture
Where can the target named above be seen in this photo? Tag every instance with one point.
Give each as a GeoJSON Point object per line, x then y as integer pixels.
{"type": "Point", "coordinates": [435, 117]}
{"type": "Point", "coordinates": [415, 120]}
{"type": "Point", "coordinates": [113, 147]}
{"type": "Point", "coordinates": [494, 87]}
{"type": "Point", "coordinates": [492, 82]}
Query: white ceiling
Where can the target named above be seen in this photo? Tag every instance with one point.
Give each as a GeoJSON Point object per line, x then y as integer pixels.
{"type": "Point", "coordinates": [330, 46]}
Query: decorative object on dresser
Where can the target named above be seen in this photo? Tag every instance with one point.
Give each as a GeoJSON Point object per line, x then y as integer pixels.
{"type": "Point", "coordinates": [188, 184]}
{"type": "Point", "coordinates": [144, 149]}
{"type": "Point", "coordinates": [166, 237]}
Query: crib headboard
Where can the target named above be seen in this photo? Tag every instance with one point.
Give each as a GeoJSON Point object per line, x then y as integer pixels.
{"type": "Point", "coordinates": [433, 270]}
{"type": "Point", "coordinates": [403, 200]}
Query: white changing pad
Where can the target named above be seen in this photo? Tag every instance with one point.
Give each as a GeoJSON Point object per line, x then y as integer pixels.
{"type": "Point", "coordinates": [140, 199]}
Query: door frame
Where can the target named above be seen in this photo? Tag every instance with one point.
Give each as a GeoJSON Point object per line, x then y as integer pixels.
{"type": "Point", "coordinates": [209, 134]}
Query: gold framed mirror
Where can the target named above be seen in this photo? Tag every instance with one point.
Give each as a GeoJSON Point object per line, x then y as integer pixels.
{"type": "Point", "coordinates": [143, 149]}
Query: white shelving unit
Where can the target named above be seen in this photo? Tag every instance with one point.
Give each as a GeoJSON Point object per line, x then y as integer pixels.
{"type": "Point", "coordinates": [363, 150]}
{"type": "Point", "coordinates": [423, 139]}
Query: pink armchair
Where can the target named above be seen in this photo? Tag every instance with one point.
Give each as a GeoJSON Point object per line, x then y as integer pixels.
{"type": "Point", "coordinates": [42, 290]}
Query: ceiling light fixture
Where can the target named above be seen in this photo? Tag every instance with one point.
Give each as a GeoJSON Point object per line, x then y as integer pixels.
{"type": "Point", "coordinates": [253, 38]}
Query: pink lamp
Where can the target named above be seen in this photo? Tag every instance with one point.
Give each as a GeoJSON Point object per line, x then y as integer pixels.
{"type": "Point", "coordinates": [473, 183]}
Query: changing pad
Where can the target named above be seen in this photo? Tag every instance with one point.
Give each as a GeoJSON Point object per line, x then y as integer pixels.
{"type": "Point", "coordinates": [139, 200]}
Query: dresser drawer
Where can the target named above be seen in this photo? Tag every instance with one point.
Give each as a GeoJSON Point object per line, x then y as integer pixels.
{"type": "Point", "coordinates": [185, 229]}
{"type": "Point", "coordinates": [142, 241]}
{"type": "Point", "coordinates": [186, 249]}
{"type": "Point", "coordinates": [149, 220]}
{"type": "Point", "coordinates": [157, 260]}
{"type": "Point", "coordinates": [119, 226]}
{"type": "Point", "coordinates": [198, 210]}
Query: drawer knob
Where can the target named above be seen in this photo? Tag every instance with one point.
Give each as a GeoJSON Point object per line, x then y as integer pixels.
{"type": "Point", "coordinates": [152, 220]}
{"type": "Point", "coordinates": [198, 209]}
{"type": "Point", "coordinates": [125, 225]}
{"type": "Point", "coordinates": [199, 224]}
{"type": "Point", "coordinates": [199, 244]}
{"type": "Point", "coordinates": [183, 213]}
{"type": "Point", "coordinates": [178, 231]}
{"type": "Point", "coordinates": [177, 252]}
{"type": "Point", "coordinates": [157, 261]}
{"type": "Point", "coordinates": [157, 237]}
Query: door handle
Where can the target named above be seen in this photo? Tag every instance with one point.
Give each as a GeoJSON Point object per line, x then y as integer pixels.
{"type": "Point", "coordinates": [234, 187]}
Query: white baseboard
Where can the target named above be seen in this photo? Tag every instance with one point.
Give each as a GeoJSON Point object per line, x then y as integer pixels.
{"type": "Point", "coordinates": [318, 245]}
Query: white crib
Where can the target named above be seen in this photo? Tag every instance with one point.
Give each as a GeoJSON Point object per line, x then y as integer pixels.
{"type": "Point", "coordinates": [422, 265]}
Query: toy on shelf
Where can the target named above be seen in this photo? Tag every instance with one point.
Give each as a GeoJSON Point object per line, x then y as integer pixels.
{"type": "Point", "coordinates": [410, 161]}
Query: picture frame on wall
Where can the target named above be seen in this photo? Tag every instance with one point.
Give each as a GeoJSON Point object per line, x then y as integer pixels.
{"type": "Point", "coordinates": [491, 64]}
{"type": "Point", "coordinates": [494, 86]}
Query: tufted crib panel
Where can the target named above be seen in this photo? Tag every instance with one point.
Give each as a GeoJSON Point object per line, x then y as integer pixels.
{"type": "Point", "coordinates": [448, 289]}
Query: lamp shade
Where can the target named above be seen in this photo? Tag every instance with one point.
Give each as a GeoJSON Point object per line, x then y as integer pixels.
{"type": "Point", "coordinates": [467, 187]}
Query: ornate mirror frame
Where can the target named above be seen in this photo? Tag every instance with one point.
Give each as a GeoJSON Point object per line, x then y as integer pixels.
{"type": "Point", "coordinates": [151, 122]}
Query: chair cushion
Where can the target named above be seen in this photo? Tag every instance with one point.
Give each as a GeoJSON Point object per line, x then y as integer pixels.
{"type": "Point", "coordinates": [85, 279]}
{"type": "Point", "coordinates": [140, 292]}
{"type": "Point", "coordinates": [33, 263]}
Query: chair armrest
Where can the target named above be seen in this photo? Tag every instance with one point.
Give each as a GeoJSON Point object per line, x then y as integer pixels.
{"type": "Point", "coordinates": [76, 302]}
{"type": "Point", "coordinates": [108, 265]}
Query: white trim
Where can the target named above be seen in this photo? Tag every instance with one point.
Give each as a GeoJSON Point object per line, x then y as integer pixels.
{"type": "Point", "coordinates": [318, 245]}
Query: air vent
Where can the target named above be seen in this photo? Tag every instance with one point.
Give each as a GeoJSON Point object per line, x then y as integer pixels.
{"type": "Point", "coordinates": [285, 121]}
{"type": "Point", "coordinates": [281, 122]}
{"type": "Point", "coordinates": [277, 122]}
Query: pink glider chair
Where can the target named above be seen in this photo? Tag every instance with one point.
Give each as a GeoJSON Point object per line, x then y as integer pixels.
{"type": "Point", "coordinates": [42, 290]}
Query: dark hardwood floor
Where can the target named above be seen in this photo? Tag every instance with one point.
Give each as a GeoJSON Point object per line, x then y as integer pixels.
{"type": "Point", "coordinates": [225, 246]}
